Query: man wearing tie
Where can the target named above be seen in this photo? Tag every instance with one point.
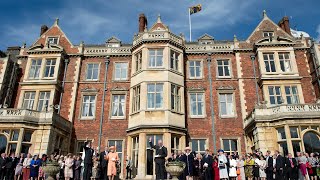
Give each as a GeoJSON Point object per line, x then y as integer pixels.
{"type": "Point", "coordinates": [269, 169]}
{"type": "Point", "coordinates": [279, 166]}
{"type": "Point", "coordinates": [159, 159]}
{"type": "Point", "coordinates": [291, 168]}
{"type": "Point", "coordinates": [104, 164]}
{"type": "Point", "coordinates": [88, 154]}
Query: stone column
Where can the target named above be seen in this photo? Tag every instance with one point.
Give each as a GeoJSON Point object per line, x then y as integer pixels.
{"type": "Point", "coordinates": [182, 143]}
{"type": "Point", "coordinates": [288, 136]}
{"type": "Point", "coordinates": [129, 147]}
{"type": "Point", "coordinates": [20, 139]}
{"type": "Point", "coordinates": [167, 142]}
{"type": "Point", "coordinates": [141, 172]}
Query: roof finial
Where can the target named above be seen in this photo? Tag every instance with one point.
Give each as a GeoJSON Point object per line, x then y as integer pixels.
{"type": "Point", "coordinates": [264, 13]}
{"type": "Point", "coordinates": [159, 19]}
{"type": "Point", "coordinates": [24, 44]}
{"type": "Point", "coordinates": [235, 38]}
{"type": "Point", "coordinates": [56, 22]}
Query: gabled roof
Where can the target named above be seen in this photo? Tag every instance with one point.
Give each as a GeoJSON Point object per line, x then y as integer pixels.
{"type": "Point", "coordinates": [113, 39]}
{"type": "Point", "coordinates": [205, 37]}
{"type": "Point", "coordinates": [268, 25]}
{"type": "Point", "coordinates": [159, 26]}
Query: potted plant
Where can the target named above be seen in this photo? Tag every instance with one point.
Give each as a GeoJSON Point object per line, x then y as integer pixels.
{"type": "Point", "coordinates": [51, 169]}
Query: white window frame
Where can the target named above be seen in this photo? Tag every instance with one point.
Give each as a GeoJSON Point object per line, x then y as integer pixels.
{"type": "Point", "coordinates": [35, 67]}
{"type": "Point", "coordinates": [175, 98]}
{"type": "Point", "coordinates": [230, 147]}
{"type": "Point", "coordinates": [155, 56]}
{"type": "Point", "coordinates": [50, 67]}
{"type": "Point", "coordinates": [50, 38]}
{"type": "Point", "coordinates": [136, 98]}
{"type": "Point", "coordinates": [93, 68]}
{"type": "Point", "coordinates": [155, 93]}
{"type": "Point", "coordinates": [197, 101]}
{"type": "Point", "coordinates": [275, 95]}
{"type": "Point", "coordinates": [118, 104]}
{"type": "Point", "coordinates": [44, 101]}
{"type": "Point", "coordinates": [292, 95]}
{"type": "Point", "coordinates": [198, 150]}
{"type": "Point", "coordinates": [122, 70]}
{"type": "Point", "coordinates": [194, 69]}
{"type": "Point", "coordinates": [268, 33]}
{"type": "Point", "coordinates": [227, 104]}
{"type": "Point", "coordinates": [138, 62]}
{"type": "Point", "coordinates": [269, 62]}
{"type": "Point", "coordinates": [223, 68]}
{"type": "Point", "coordinates": [29, 99]}
{"type": "Point", "coordinates": [94, 104]}
{"type": "Point", "coordinates": [285, 61]}
{"type": "Point", "coordinates": [174, 60]}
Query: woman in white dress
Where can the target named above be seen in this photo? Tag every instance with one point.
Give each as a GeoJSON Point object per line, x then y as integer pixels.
{"type": "Point", "coordinates": [233, 168]}
{"type": "Point", "coordinates": [222, 161]}
{"type": "Point", "coordinates": [240, 165]}
{"type": "Point", "coordinates": [262, 167]}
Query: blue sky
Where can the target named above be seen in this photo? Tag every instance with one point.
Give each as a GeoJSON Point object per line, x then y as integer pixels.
{"type": "Point", "coordinates": [94, 21]}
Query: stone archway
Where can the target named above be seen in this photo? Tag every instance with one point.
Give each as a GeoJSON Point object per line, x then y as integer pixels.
{"type": "Point", "coordinates": [311, 142]}
{"type": "Point", "coordinates": [3, 143]}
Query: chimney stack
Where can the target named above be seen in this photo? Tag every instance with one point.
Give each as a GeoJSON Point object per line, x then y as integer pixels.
{"type": "Point", "coordinates": [284, 24]}
{"type": "Point", "coordinates": [143, 22]}
{"type": "Point", "coordinates": [44, 29]}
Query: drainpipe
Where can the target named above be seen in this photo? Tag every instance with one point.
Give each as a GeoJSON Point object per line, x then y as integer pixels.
{"type": "Point", "coordinates": [253, 58]}
{"type": "Point", "coordinates": [211, 103]}
{"type": "Point", "coordinates": [107, 61]}
{"type": "Point", "coordinates": [66, 62]}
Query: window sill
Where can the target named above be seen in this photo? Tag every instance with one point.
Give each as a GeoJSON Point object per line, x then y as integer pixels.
{"type": "Point", "coordinates": [91, 80]}
{"type": "Point", "coordinates": [223, 77]}
{"type": "Point", "coordinates": [155, 68]}
{"type": "Point", "coordinates": [197, 117]}
{"type": "Point", "coordinates": [176, 71]}
{"type": "Point", "coordinates": [177, 112]}
{"type": "Point", "coordinates": [114, 80]}
{"type": "Point", "coordinates": [134, 113]}
{"type": "Point", "coordinates": [228, 117]}
{"type": "Point", "coordinates": [117, 118]}
{"type": "Point", "coordinates": [87, 118]}
{"type": "Point", "coordinates": [200, 78]}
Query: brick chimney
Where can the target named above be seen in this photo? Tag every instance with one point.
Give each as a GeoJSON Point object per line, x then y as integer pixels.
{"type": "Point", "coordinates": [44, 29]}
{"type": "Point", "coordinates": [143, 22]}
{"type": "Point", "coordinates": [284, 24]}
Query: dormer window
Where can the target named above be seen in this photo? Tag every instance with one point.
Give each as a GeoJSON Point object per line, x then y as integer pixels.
{"type": "Point", "coordinates": [268, 34]}
{"type": "Point", "coordinates": [205, 42]}
{"type": "Point", "coordinates": [52, 40]}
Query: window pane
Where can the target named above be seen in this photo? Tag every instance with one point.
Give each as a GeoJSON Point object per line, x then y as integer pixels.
{"type": "Point", "coordinates": [226, 145]}
{"type": "Point", "coordinates": [234, 146]}
{"type": "Point", "coordinates": [15, 135]}
{"type": "Point", "coordinates": [294, 132]}
{"type": "Point", "coordinates": [27, 136]}
{"type": "Point", "coordinates": [281, 133]}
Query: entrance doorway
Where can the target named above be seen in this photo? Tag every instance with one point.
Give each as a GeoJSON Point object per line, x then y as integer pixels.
{"type": "Point", "coordinates": [311, 142]}
{"type": "Point", "coordinates": [3, 143]}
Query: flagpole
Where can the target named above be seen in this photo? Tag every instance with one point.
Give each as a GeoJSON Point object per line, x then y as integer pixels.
{"type": "Point", "coordinates": [190, 24]}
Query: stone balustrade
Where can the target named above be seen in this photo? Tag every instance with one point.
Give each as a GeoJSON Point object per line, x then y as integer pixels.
{"type": "Point", "coordinates": [107, 51]}
{"type": "Point", "coordinates": [293, 111]}
{"type": "Point", "coordinates": [156, 36]}
{"type": "Point", "coordinates": [209, 48]}
{"type": "Point", "coordinates": [8, 115]}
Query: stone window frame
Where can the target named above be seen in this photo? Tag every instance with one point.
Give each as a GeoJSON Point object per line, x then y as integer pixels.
{"type": "Point", "coordinates": [133, 110]}
{"type": "Point", "coordinates": [228, 90]}
{"type": "Point", "coordinates": [176, 65]}
{"type": "Point", "coordinates": [114, 71]}
{"type": "Point", "coordinates": [201, 69]}
{"type": "Point", "coordinates": [45, 65]}
{"type": "Point", "coordinates": [155, 92]}
{"type": "Point", "coordinates": [93, 93]}
{"type": "Point", "coordinates": [118, 92]}
{"type": "Point", "coordinates": [138, 61]}
{"type": "Point", "coordinates": [43, 59]}
{"type": "Point", "coordinates": [179, 94]}
{"type": "Point", "coordinates": [86, 72]}
{"type": "Point", "coordinates": [38, 103]}
{"type": "Point", "coordinates": [204, 104]}
{"type": "Point", "coordinates": [77, 145]}
{"type": "Point", "coordinates": [238, 139]}
{"type": "Point", "coordinates": [230, 69]}
{"type": "Point", "coordinates": [268, 33]}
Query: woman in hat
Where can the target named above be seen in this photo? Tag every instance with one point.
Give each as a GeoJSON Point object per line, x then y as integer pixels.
{"type": "Point", "coordinates": [223, 172]}
{"type": "Point", "coordinates": [68, 170]}
{"type": "Point", "coordinates": [198, 168]}
{"type": "Point", "coordinates": [188, 158]}
{"type": "Point", "coordinates": [112, 158]}
{"type": "Point", "coordinates": [249, 163]}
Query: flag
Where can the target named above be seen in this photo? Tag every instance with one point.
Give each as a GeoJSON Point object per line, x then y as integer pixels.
{"type": "Point", "coordinates": [195, 9]}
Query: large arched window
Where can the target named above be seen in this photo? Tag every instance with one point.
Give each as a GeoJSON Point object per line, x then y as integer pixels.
{"type": "Point", "coordinates": [3, 143]}
{"type": "Point", "coordinates": [311, 142]}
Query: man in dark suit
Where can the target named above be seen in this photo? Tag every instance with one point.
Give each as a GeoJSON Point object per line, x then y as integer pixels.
{"type": "Point", "coordinates": [207, 162]}
{"type": "Point", "coordinates": [104, 164]}
{"type": "Point", "coordinates": [269, 169]}
{"type": "Point", "coordinates": [279, 166]}
{"type": "Point", "coordinates": [10, 166]}
{"type": "Point", "coordinates": [3, 162]}
{"type": "Point", "coordinates": [161, 154]}
{"type": "Point", "coordinates": [88, 154]}
{"type": "Point", "coordinates": [291, 168]}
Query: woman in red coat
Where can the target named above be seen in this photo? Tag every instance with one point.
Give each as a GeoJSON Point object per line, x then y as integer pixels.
{"type": "Point", "coordinates": [215, 166]}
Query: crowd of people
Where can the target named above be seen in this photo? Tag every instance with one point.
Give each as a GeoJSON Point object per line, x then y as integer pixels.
{"type": "Point", "coordinates": [106, 165]}
{"type": "Point", "coordinates": [88, 166]}
{"type": "Point", "coordinates": [257, 166]}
